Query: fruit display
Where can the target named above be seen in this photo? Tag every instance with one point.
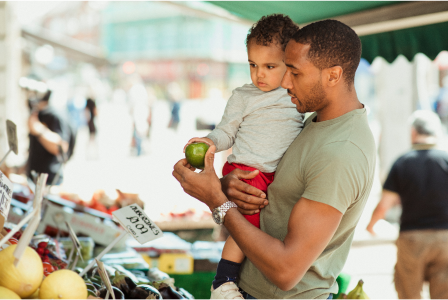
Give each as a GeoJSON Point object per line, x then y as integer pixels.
{"type": "Point", "coordinates": [195, 154]}
{"type": "Point", "coordinates": [45, 248]}
{"type": "Point", "coordinates": [134, 285]}
{"type": "Point", "coordinates": [38, 277]}
{"type": "Point", "coordinates": [24, 279]}
{"type": "Point", "coordinates": [357, 292]}
{"type": "Point", "coordinates": [63, 284]}
{"type": "Point", "coordinates": [7, 294]}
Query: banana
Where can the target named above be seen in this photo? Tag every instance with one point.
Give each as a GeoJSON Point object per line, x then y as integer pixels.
{"type": "Point", "coordinates": [358, 292]}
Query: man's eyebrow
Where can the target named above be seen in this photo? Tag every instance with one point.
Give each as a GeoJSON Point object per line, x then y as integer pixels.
{"type": "Point", "coordinates": [291, 66]}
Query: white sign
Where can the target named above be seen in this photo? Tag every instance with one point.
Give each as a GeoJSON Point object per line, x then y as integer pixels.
{"type": "Point", "coordinates": [6, 188]}
{"type": "Point", "coordinates": [11, 132]}
{"type": "Point", "coordinates": [137, 223]}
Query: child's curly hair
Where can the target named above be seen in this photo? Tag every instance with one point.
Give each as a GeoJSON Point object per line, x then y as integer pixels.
{"type": "Point", "coordinates": [275, 28]}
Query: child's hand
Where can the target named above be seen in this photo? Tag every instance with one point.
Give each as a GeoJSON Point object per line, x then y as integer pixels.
{"type": "Point", "coordinates": [208, 141]}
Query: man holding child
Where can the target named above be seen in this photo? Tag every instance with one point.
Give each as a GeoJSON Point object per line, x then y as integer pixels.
{"type": "Point", "coordinates": [321, 183]}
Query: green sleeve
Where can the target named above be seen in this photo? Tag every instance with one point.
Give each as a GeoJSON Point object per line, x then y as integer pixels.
{"type": "Point", "coordinates": [336, 175]}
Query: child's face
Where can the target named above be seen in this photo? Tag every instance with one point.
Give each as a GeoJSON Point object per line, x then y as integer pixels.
{"type": "Point", "coordinates": [267, 65]}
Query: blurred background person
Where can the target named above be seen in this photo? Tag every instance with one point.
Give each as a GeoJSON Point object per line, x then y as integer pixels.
{"type": "Point", "coordinates": [175, 96]}
{"type": "Point", "coordinates": [419, 181]}
{"type": "Point", "coordinates": [91, 114]}
{"type": "Point", "coordinates": [139, 108]}
{"type": "Point", "coordinates": [49, 132]}
{"type": "Point", "coordinates": [442, 102]}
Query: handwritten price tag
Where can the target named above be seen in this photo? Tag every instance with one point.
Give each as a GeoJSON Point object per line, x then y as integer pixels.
{"type": "Point", "coordinates": [5, 198]}
{"type": "Point", "coordinates": [11, 132]}
{"type": "Point", "coordinates": [137, 223]}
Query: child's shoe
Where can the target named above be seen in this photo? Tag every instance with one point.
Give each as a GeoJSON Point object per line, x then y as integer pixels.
{"type": "Point", "coordinates": [227, 290]}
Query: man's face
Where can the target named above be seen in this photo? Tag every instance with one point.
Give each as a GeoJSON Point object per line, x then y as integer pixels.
{"type": "Point", "coordinates": [302, 79]}
{"type": "Point", "coordinates": [267, 65]}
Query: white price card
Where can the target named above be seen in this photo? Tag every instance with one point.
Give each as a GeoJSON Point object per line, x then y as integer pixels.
{"type": "Point", "coordinates": [6, 189]}
{"type": "Point", "coordinates": [137, 223]}
{"type": "Point", "coordinates": [11, 132]}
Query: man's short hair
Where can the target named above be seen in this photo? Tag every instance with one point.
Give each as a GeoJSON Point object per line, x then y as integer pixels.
{"type": "Point", "coordinates": [426, 122]}
{"type": "Point", "coordinates": [275, 28]}
{"type": "Point", "coordinates": [332, 43]}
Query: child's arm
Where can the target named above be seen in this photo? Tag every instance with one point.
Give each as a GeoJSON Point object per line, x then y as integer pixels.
{"type": "Point", "coordinates": [208, 141]}
{"type": "Point", "coordinates": [225, 132]}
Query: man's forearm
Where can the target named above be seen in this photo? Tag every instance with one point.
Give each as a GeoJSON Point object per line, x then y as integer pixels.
{"type": "Point", "coordinates": [51, 141]}
{"type": "Point", "coordinates": [267, 253]}
{"type": "Point", "coordinates": [388, 200]}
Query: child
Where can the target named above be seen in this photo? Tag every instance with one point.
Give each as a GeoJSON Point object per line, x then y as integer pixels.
{"type": "Point", "coordinates": [260, 123]}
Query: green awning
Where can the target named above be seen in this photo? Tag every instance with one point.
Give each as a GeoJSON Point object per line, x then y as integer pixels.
{"type": "Point", "coordinates": [299, 11]}
{"type": "Point", "coordinates": [427, 39]}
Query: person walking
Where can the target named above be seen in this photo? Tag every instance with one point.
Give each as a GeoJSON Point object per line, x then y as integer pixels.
{"type": "Point", "coordinates": [49, 133]}
{"type": "Point", "coordinates": [419, 181]}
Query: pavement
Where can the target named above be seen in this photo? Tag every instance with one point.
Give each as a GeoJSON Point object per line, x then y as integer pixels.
{"type": "Point", "coordinates": [112, 164]}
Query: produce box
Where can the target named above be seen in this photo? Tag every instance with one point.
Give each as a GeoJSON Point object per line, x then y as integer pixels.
{"type": "Point", "coordinates": [198, 283]}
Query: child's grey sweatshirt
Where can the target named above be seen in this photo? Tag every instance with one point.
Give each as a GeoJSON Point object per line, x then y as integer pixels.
{"type": "Point", "coordinates": [259, 125]}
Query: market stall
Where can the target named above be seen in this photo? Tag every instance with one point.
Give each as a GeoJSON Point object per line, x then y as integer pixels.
{"type": "Point", "coordinates": [386, 28]}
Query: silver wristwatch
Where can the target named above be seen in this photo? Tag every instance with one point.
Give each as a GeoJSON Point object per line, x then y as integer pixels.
{"type": "Point", "coordinates": [219, 213]}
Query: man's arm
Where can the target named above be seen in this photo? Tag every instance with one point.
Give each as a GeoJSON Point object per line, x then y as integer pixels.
{"type": "Point", "coordinates": [50, 140]}
{"type": "Point", "coordinates": [310, 228]}
{"type": "Point", "coordinates": [388, 200]}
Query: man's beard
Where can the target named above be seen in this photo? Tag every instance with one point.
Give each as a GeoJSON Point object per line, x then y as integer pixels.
{"type": "Point", "coordinates": [314, 101]}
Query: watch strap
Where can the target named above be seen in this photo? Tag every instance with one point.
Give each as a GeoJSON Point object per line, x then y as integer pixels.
{"type": "Point", "coordinates": [226, 206]}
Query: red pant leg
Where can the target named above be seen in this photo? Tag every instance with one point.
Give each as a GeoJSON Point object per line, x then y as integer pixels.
{"type": "Point", "coordinates": [261, 182]}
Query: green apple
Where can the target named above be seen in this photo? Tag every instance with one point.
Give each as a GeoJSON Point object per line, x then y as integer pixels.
{"type": "Point", "coordinates": [195, 154]}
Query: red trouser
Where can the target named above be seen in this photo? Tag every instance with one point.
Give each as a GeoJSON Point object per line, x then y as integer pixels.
{"type": "Point", "coordinates": [261, 182]}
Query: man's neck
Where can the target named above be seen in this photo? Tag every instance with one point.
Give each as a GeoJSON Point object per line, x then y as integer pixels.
{"type": "Point", "coordinates": [424, 140]}
{"type": "Point", "coordinates": [339, 105]}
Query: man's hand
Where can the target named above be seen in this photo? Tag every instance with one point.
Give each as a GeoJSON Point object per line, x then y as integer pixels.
{"type": "Point", "coordinates": [208, 141]}
{"type": "Point", "coordinates": [370, 229]}
{"type": "Point", "coordinates": [248, 198]}
{"type": "Point", "coordinates": [204, 186]}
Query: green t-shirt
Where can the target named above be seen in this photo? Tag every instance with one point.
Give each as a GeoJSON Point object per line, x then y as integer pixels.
{"type": "Point", "coordinates": [331, 162]}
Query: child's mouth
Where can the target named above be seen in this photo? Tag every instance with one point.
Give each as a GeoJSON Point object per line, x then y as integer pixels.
{"type": "Point", "coordinates": [262, 84]}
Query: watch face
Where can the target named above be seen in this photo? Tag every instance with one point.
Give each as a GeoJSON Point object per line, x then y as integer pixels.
{"type": "Point", "coordinates": [216, 215]}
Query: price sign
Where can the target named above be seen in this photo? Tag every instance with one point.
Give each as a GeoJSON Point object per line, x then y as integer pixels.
{"type": "Point", "coordinates": [11, 132]}
{"type": "Point", "coordinates": [137, 223]}
{"type": "Point", "coordinates": [5, 198]}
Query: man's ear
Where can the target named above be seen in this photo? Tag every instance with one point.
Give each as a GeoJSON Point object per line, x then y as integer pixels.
{"type": "Point", "coordinates": [334, 75]}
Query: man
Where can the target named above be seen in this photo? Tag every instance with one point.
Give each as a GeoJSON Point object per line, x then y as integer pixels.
{"type": "Point", "coordinates": [419, 181]}
{"type": "Point", "coordinates": [48, 133]}
{"type": "Point", "coordinates": [321, 184]}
